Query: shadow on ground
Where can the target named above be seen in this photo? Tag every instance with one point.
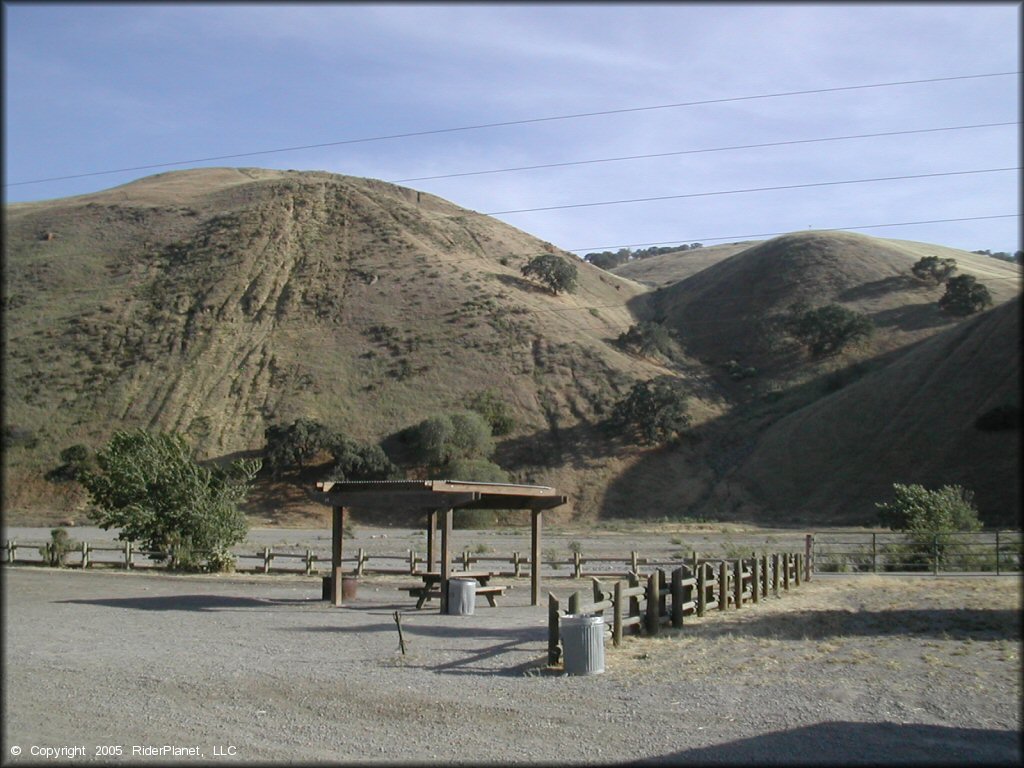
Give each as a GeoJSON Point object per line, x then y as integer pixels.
{"type": "Point", "coordinates": [845, 743]}
{"type": "Point", "coordinates": [187, 602]}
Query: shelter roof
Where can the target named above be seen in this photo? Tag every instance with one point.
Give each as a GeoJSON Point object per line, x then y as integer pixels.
{"type": "Point", "coordinates": [436, 494]}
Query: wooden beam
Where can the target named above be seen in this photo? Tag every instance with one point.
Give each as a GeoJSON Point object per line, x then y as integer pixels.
{"type": "Point", "coordinates": [337, 535]}
{"type": "Point", "coordinates": [431, 537]}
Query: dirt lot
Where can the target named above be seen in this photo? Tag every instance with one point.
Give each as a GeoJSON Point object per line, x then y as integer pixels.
{"type": "Point", "coordinates": [844, 670]}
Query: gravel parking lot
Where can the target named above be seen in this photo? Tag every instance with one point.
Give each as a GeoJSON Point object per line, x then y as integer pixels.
{"type": "Point", "coordinates": [843, 670]}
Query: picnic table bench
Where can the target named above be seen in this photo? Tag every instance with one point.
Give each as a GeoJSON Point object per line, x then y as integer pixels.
{"type": "Point", "coordinates": [431, 586]}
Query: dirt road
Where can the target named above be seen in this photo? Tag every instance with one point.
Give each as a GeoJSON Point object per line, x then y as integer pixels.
{"type": "Point", "coordinates": [843, 670]}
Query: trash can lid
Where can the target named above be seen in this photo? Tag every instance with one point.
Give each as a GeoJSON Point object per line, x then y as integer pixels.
{"type": "Point", "coordinates": [581, 619]}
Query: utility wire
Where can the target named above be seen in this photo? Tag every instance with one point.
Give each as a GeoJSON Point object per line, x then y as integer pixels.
{"type": "Point", "coordinates": [752, 189]}
{"type": "Point", "coordinates": [507, 123]}
{"type": "Point", "coordinates": [599, 248]}
{"type": "Point", "coordinates": [698, 151]}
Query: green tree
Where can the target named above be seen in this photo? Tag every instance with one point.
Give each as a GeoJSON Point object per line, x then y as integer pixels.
{"type": "Point", "coordinates": [495, 410]}
{"type": "Point", "coordinates": [149, 486]}
{"type": "Point", "coordinates": [655, 410]}
{"type": "Point", "coordinates": [928, 517]}
{"type": "Point", "coordinates": [827, 330]}
{"type": "Point", "coordinates": [556, 273]}
{"type": "Point", "coordinates": [360, 461]}
{"type": "Point", "coordinates": [290, 447]}
{"type": "Point", "coordinates": [964, 296]}
{"type": "Point", "coordinates": [462, 435]}
{"type": "Point", "coordinates": [934, 269]}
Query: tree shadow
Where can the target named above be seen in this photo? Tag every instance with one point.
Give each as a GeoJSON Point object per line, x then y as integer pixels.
{"type": "Point", "coordinates": [200, 603]}
{"type": "Point", "coordinates": [911, 317]}
{"type": "Point", "coordinates": [846, 743]}
{"type": "Point", "coordinates": [522, 284]}
{"type": "Point", "coordinates": [581, 446]}
{"type": "Point", "coordinates": [878, 288]}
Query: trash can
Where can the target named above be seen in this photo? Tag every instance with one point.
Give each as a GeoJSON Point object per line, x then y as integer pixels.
{"type": "Point", "coordinates": [582, 643]}
{"type": "Point", "coordinates": [348, 587]}
{"type": "Point", "coordinates": [461, 596]}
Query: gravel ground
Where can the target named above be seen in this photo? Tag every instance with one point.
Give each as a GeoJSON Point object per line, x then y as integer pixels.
{"type": "Point", "coordinates": [843, 670]}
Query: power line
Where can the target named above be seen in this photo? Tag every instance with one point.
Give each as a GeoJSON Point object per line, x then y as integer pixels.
{"type": "Point", "coordinates": [698, 151]}
{"type": "Point", "coordinates": [599, 248]}
{"type": "Point", "coordinates": [752, 189]}
{"type": "Point", "coordinates": [508, 123]}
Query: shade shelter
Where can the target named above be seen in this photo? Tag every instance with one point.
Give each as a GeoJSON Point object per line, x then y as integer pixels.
{"type": "Point", "coordinates": [434, 498]}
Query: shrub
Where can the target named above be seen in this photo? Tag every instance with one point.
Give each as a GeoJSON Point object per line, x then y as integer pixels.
{"type": "Point", "coordinates": [444, 438]}
{"type": "Point", "coordinates": [56, 550]}
{"type": "Point", "coordinates": [654, 410]}
{"type": "Point", "coordinates": [928, 517]}
{"type": "Point", "coordinates": [647, 338]}
{"type": "Point", "coordinates": [360, 461]}
{"type": "Point", "coordinates": [149, 486]}
{"type": "Point", "coordinates": [75, 460]}
{"type": "Point", "coordinates": [495, 410]}
{"type": "Point", "coordinates": [290, 447]}
{"type": "Point", "coordinates": [964, 296]}
{"type": "Point", "coordinates": [827, 330]}
{"type": "Point", "coordinates": [476, 470]}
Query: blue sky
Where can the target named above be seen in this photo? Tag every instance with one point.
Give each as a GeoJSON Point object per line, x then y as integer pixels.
{"type": "Point", "coordinates": [92, 87]}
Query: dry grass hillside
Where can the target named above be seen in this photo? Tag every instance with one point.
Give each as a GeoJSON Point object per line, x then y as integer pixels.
{"type": "Point", "coordinates": [729, 311]}
{"type": "Point", "coordinates": [216, 302]}
{"type": "Point", "coordinates": [913, 421]}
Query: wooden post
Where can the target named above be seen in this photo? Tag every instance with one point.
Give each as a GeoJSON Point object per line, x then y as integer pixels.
{"type": "Point", "coordinates": [446, 557]}
{"type": "Point", "coordinates": [309, 561]}
{"type": "Point", "coordinates": [633, 562]}
{"type": "Point", "coordinates": [755, 581]}
{"type": "Point", "coordinates": [535, 532]}
{"type": "Point", "coordinates": [516, 566]}
{"type": "Point", "coordinates": [577, 565]}
{"type": "Point", "coordinates": [85, 555]}
{"type": "Point", "coordinates": [337, 547]}
{"type": "Point", "coordinates": [695, 561]}
{"type": "Point", "coordinates": [553, 651]}
{"type": "Point", "coordinates": [360, 561]}
{"type": "Point", "coordinates": [617, 614]}
{"type": "Point", "coordinates": [653, 590]}
{"type": "Point", "coordinates": [598, 590]}
{"type": "Point", "coordinates": [737, 587]}
{"type": "Point", "coordinates": [677, 598]}
{"type": "Point", "coordinates": [266, 559]}
{"type": "Point", "coordinates": [431, 536]}
{"type": "Point", "coordinates": [634, 602]}
{"type": "Point", "coordinates": [412, 561]}
{"type": "Point", "coordinates": [997, 551]}
{"type": "Point", "coordinates": [787, 560]}
{"type": "Point", "coordinates": [663, 582]}
{"type": "Point", "coordinates": [874, 553]}
{"type": "Point", "coordinates": [574, 603]}
{"type": "Point", "coordinates": [465, 559]}
{"type": "Point", "coordinates": [723, 586]}
{"type": "Point", "coordinates": [12, 549]}
{"type": "Point", "coordinates": [702, 588]}
{"type": "Point", "coordinates": [808, 556]}
{"type": "Point", "coordinates": [764, 575]}
{"type": "Point", "coordinates": [127, 555]}
{"type": "Point", "coordinates": [798, 570]}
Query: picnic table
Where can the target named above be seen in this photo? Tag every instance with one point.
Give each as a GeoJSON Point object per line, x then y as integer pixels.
{"type": "Point", "coordinates": [432, 585]}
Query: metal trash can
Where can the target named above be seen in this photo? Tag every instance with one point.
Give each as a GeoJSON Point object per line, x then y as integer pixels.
{"type": "Point", "coordinates": [461, 596]}
{"type": "Point", "coordinates": [582, 643]}
{"type": "Point", "coordinates": [349, 586]}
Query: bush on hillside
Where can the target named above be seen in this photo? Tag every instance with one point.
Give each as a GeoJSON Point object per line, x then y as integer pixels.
{"type": "Point", "coordinates": [75, 459]}
{"type": "Point", "coordinates": [934, 269]}
{"type": "Point", "coordinates": [495, 410]}
{"type": "Point", "coordinates": [475, 470]}
{"type": "Point", "coordinates": [149, 486]}
{"type": "Point", "coordinates": [826, 330]}
{"type": "Point", "coordinates": [929, 517]}
{"type": "Point", "coordinates": [653, 411]}
{"type": "Point", "coordinates": [648, 338]}
{"type": "Point", "coordinates": [556, 273]}
{"type": "Point", "coordinates": [964, 296]}
{"type": "Point", "coordinates": [360, 461]}
{"type": "Point", "coordinates": [445, 438]}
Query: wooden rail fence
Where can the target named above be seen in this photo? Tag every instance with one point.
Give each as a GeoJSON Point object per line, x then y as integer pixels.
{"type": "Point", "coordinates": [645, 604]}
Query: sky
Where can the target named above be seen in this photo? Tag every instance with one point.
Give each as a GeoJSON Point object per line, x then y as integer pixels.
{"type": "Point", "coordinates": [406, 91]}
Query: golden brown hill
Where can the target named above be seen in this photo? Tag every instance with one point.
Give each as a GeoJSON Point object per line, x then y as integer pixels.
{"type": "Point", "coordinates": [215, 302]}
{"type": "Point", "coordinates": [667, 268]}
{"type": "Point", "coordinates": [726, 311]}
{"type": "Point", "coordinates": [913, 421]}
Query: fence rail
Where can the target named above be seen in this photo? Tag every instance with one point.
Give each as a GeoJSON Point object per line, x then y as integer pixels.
{"type": "Point", "coordinates": [645, 604]}
{"type": "Point", "coordinates": [995, 552]}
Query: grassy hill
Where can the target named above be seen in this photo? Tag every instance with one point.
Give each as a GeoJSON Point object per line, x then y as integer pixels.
{"type": "Point", "coordinates": [217, 302]}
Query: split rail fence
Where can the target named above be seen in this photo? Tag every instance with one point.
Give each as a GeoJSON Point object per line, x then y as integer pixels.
{"type": "Point", "coordinates": [645, 604]}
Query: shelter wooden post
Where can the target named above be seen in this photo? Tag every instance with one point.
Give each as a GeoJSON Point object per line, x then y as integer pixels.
{"type": "Point", "coordinates": [337, 534]}
{"type": "Point", "coordinates": [431, 537]}
{"type": "Point", "coordinates": [535, 530]}
{"type": "Point", "coordinates": [446, 558]}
